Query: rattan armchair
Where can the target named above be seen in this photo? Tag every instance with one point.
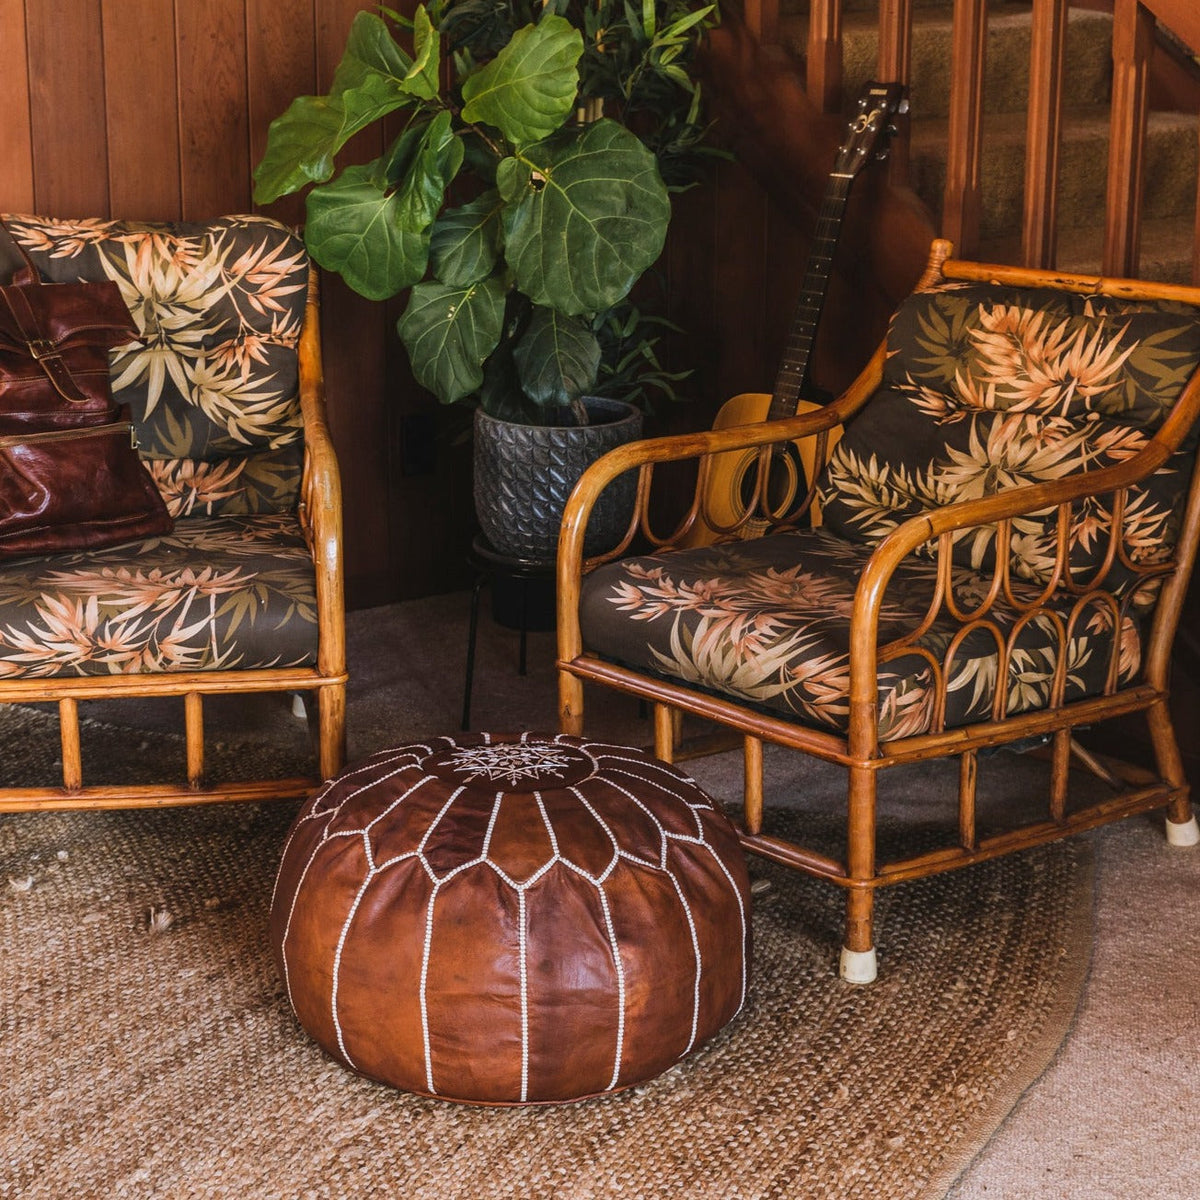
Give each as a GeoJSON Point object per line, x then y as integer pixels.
{"type": "Point", "coordinates": [245, 594]}
{"type": "Point", "coordinates": [1008, 519]}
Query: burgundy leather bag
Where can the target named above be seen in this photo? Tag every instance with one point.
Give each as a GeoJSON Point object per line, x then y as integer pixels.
{"type": "Point", "coordinates": [70, 475]}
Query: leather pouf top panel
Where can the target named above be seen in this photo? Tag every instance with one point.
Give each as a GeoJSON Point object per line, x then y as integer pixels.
{"type": "Point", "coordinates": [512, 920]}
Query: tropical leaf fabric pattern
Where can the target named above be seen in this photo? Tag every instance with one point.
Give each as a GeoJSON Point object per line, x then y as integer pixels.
{"type": "Point", "coordinates": [214, 594]}
{"type": "Point", "coordinates": [767, 621]}
{"type": "Point", "coordinates": [988, 388]}
{"type": "Point", "coordinates": [985, 388]}
{"type": "Point", "coordinates": [212, 385]}
{"type": "Point", "coordinates": [213, 391]}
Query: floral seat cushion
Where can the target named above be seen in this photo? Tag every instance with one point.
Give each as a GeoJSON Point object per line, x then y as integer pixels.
{"type": "Point", "coordinates": [988, 388]}
{"type": "Point", "coordinates": [212, 384]}
{"type": "Point", "coordinates": [767, 621]}
{"type": "Point", "coordinates": [216, 593]}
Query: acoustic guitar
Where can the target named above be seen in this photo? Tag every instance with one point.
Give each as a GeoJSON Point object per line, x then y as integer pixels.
{"type": "Point", "coordinates": [737, 484]}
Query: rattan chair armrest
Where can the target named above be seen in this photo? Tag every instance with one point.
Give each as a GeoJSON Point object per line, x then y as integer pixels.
{"type": "Point", "coordinates": [928, 526]}
{"type": "Point", "coordinates": [321, 493]}
{"type": "Point", "coordinates": [685, 446]}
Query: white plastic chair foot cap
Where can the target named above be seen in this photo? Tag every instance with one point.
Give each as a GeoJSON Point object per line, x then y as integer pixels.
{"type": "Point", "coordinates": [859, 966]}
{"type": "Point", "coordinates": [1186, 833]}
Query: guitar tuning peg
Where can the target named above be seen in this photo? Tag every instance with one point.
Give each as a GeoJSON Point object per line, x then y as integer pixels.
{"type": "Point", "coordinates": [902, 107]}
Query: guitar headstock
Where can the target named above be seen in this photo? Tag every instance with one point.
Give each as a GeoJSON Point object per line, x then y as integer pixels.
{"type": "Point", "coordinates": [871, 127]}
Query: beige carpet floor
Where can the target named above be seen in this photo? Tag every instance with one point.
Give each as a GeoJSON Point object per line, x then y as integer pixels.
{"type": "Point", "coordinates": [151, 1064]}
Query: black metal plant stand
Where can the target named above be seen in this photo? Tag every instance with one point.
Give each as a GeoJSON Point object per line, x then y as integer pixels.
{"type": "Point", "coordinates": [522, 579]}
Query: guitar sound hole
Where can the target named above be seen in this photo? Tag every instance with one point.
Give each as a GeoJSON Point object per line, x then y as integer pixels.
{"type": "Point", "coordinates": [785, 488]}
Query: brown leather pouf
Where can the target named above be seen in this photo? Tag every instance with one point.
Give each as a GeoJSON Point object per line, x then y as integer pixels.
{"type": "Point", "coordinates": [512, 920]}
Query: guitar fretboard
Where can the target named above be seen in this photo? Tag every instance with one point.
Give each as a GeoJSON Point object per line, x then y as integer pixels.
{"type": "Point", "coordinates": [793, 371]}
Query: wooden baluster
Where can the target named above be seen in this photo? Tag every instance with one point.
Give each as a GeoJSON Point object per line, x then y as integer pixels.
{"type": "Point", "coordinates": [762, 19]}
{"type": "Point", "coordinates": [895, 66]}
{"type": "Point", "coordinates": [824, 54]}
{"type": "Point", "coordinates": [895, 40]}
{"type": "Point", "coordinates": [1133, 43]}
{"type": "Point", "coordinates": [1047, 56]}
{"type": "Point", "coordinates": [961, 205]}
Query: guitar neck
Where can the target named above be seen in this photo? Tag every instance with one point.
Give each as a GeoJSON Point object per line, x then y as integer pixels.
{"type": "Point", "coordinates": [793, 372]}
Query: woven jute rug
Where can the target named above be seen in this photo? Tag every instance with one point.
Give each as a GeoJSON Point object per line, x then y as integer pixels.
{"type": "Point", "coordinates": [147, 1050]}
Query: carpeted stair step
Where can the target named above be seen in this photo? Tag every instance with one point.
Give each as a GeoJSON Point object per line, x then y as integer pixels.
{"type": "Point", "coordinates": [1166, 250]}
{"type": "Point", "coordinates": [1171, 165]}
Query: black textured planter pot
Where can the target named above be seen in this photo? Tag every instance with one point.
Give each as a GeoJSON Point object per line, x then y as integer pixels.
{"type": "Point", "coordinates": [524, 475]}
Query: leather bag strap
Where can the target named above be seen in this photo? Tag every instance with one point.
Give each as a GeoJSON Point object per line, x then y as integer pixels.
{"type": "Point", "coordinates": [41, 349]}
{"type": "Point", "coordinates": [40, 346]}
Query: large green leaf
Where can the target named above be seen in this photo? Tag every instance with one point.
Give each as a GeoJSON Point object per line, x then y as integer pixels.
{"type": "Point", "coordinates": [449, 332]}
{"type": "Point", "coordinates": [374, 78]}
{"type": "Point", "coordinates": [585, 214]}
{"type": "Point", "coordinates": [425, 176]}
{"type": "Point", "coordinates": [466, 241]}
{"type": "Point", "coordinates": [300, 147]}
{"type": "Point", "coordinates": [353, 228]}
{"type": "Point", "coordinates": [422, 78]}
{"type": "Point", "coordinates": [528, 90]}
{"type": "Point", "coordinates": [370, 50]}
{"type": "Point", "coordinates": [557, 358]}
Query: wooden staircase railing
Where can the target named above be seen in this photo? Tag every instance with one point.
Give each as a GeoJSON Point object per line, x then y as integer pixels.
{"type": "Point", "coordinates": [1133, 40]}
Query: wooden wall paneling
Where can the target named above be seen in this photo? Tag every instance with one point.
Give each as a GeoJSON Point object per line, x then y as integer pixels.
{"type": "Point", "coordinates": [214, 139]}
{"type": "Point", "coordinates": [1196, 236]}
{"type": "Point", "coordinates": [354, 341]}
{"type": "Point", "coordinates": [141, 109]}
{"type": "Point", "coordinates": [281, 64]}
{"type": "Point", "coordinates": [16, 140]}
{"type": "Point", "coordinates": [788, 248]}
{"type": "Point", "coordinates": [739, 258]}
{"type": "Point", "coordinates": [692, 271]}
{"type": "Point", "coordinates": [69, 140]}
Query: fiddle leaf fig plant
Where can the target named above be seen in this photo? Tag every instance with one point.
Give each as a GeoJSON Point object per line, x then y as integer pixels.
{"type": "Point", "coordinates": [516, 226]}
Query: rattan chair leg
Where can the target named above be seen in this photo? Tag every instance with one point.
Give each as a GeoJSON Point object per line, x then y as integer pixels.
{"type": "Point", "coordinates": [331, 716]}
{"type": "Point", "coordinates": [752, 783]}
{"type": "Point", "coordinates": [68, 731]}
{"type": "Point", "coordinates": [1182, 828]}
{"type": "Point", "coordinates": [664, 732]}
{"type": "Point", "coordinates": [193, 720]}
{"type": "Point", "coordinates": [858, 962]}
{"type": "Point", "coordinates": [570, 704]}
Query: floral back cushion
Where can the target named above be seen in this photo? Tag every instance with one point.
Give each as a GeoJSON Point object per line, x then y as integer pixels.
{"type": "Point", "coordinates": [988, 388]}
{"type": "Point", "coordinates": [212, 385]}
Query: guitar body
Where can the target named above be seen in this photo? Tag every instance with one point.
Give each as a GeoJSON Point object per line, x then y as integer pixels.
{"type": "Point", "coordinates": [733, 476]}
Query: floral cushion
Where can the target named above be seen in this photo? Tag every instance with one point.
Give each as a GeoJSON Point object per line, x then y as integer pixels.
{"type": "Point", "coordinates": [216, 593]}
{"type": "Point", "coordinates": [988, 388]}
{"type": "Point", "coordinates": [767, 621]}
{"type": "Point", "coordinates": [212, 385]}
